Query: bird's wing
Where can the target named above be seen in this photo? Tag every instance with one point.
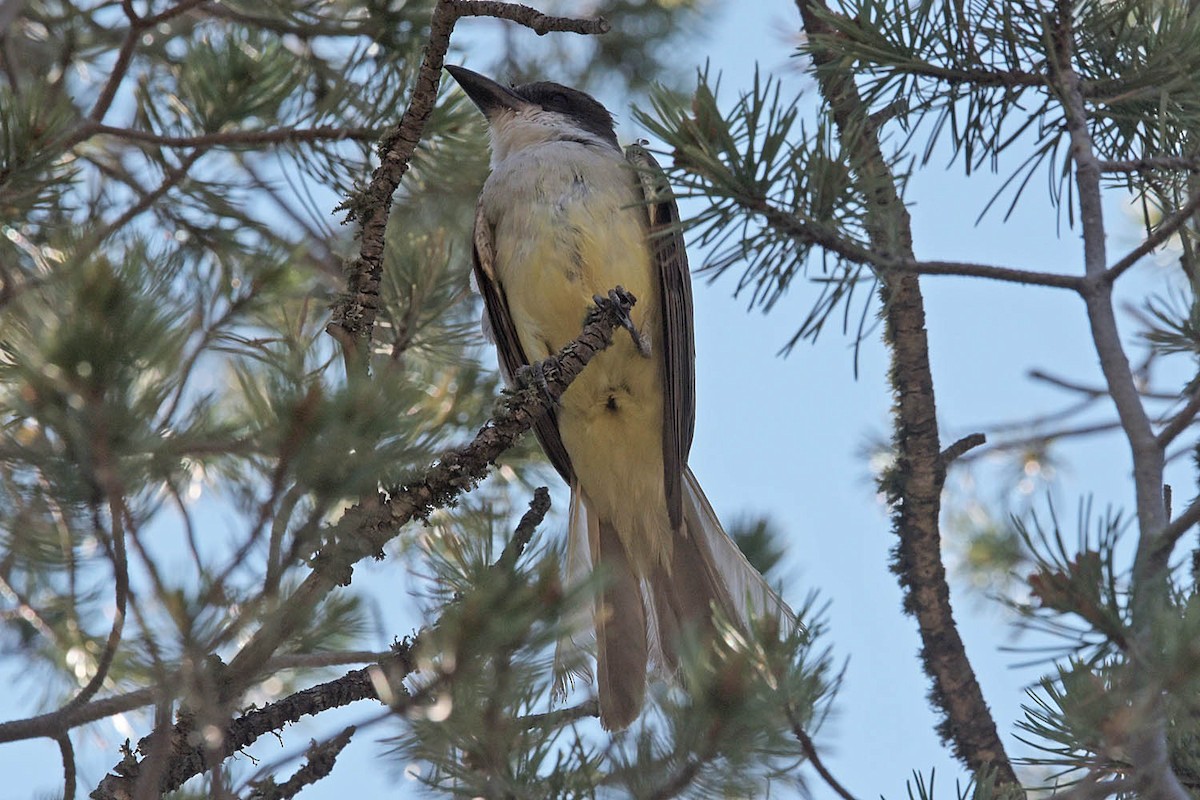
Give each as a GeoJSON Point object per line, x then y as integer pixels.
{"type": "Point", "coordinates": [499, 323]}
{"type": "Point", "coordinates": [677, 343]}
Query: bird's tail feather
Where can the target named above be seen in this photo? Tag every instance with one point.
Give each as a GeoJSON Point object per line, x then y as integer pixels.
{"type": "Point", "coordinates": [621, 645]}
{"type": "Point", "coordinates": [618, 621]}
{"type": "Point", "coordinates": [640, 618]}
{"type": "Point", "coordinates": [749, 593]}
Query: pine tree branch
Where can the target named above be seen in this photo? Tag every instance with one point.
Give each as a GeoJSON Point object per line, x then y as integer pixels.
{"type": "Point", "coordinates": [1092, 392]}
{"type": "Point", "coordinates": [539, 506]}
{"type": "Point", "coordinates": [188, 760]}
{"type": "Point", "coordinates": [326, 133]}
{"type": "Point", "coordinates": [562, 716]}
{"type": "Point", "coordinates": [531, 18]}
{"type": "Point", "coordinates": [961, 447]}
{"type": "Point", "coordinates": [885, 262]}
{"type": "Point", "coordinates": [915, 484]}
{"type": "Point", "coordinates": [1148, 164]}
{"type": "Point", "coordinates": [137, 26]}
{"type": "Point", "coordinates": [173, 176]}
{"type": "Point", "coordinates": [353, 319]}
{"type": "Point", "coordinates": [682, 779]}
{"type": "Point", "coordinates": [1180, 422]}
{"type": "Point", "coordinates": [67, 750]}
{"type": "Point", "coordinates": [814, 758]}
{"type": "Point", "coordinates": [1175, 530]}
{"type": "Point", "coordinates": [321, 759]}
{"type": "Point", "coordinates": [1147, 739]}
{"type": "Point", "coordinates": [56, 723]}
{"type": "Point", "coordinates": [364, 529]}
{"type": "Point", "coordinates": [1165, 230]}
{"type": "Point", "coordinates": [104, 476]}
{"type": "Point", "coordinates": [382, 681]}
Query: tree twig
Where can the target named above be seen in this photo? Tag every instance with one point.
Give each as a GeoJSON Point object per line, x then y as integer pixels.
{"type": "Point", "coordinates": [382, 681]}
{"type": "Point", "coordinates": [1180, 422]}
{"type": "Point", "coordinates": [56, 723]}
{"type": "Point", "coordinates": [240, 138]}
{"type": "Point", "coordinates": [68, 762]}
{"type": "Point", "coordinates": [538, 507]}
{"type": "Point", "coordinates": [1147, 164]}
{"type": "Point", "coordinates": [889, 261]}
{"type": "Point", "coordinates": [1164, 230]}
{"type": "Point", "coordinates": [814, 758]}
{"type": "Point", "coordinates": [321, 757]}
{"type": "Point", "coordinates": [959, 448]}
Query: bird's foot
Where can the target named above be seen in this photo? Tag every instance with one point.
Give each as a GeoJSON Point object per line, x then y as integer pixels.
{"type": "Point", "coordinates": [534, 375]}
{"type": "Point", "coordinates": [619, 301]}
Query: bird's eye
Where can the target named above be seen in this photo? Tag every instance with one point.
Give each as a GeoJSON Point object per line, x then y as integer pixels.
{"type": "Point", "coordinates": [558, 100]}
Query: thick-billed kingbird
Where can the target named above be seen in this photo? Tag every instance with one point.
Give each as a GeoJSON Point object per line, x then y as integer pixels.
{"type": "Point", "coordinates": [564, 216]}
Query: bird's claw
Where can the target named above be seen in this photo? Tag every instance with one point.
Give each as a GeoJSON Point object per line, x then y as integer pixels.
{"type": "Point", "coordinates": [619, 300]}
{"type": "Point", "coordinates": [534, 375]}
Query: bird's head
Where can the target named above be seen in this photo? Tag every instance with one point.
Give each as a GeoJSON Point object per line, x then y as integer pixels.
{"type": "Point", "coordinates": [536, 113]}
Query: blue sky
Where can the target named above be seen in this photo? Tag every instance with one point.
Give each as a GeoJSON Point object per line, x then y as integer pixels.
{"type": "Point", "coordinates": [785, 437]}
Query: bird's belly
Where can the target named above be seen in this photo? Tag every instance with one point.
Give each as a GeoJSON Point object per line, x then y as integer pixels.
{"type": "Point", "coordinates": [610, 418]}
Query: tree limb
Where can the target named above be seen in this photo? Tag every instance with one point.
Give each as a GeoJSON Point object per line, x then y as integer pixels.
{"type": "Point", "coordinates": [187, 760]}
{"type": "Point", "coordinates": [914, 485]}
{"type": "Point", "coordinates": [1147, 740]}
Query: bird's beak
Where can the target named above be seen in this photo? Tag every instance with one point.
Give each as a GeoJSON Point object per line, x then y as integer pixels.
{"type": "Point", "coordinates": [488, 95]}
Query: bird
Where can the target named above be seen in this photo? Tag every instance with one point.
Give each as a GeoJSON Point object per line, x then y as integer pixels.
{"type": "Point", "coordinates": [564, 216]}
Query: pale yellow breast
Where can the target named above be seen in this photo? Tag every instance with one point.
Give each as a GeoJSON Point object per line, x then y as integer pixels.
{"type": "Point", "coordinates": [568, 224]}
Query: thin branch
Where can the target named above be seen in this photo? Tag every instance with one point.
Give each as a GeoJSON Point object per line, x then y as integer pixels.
{"type": "Point", "coordinates": [1025, 442]}
{"type": "Point", "coordinates": [115, 78]}
{"type": "Point", "coordinates": [531, 18]}
{"type": "Point", "coordinates": [382, 681]}
{"type": "Point", "coordinates": [1147, 744]}
{"type": "Point", "coordinates": [562, 716]}
{"type": "Point", "coordinates": [1005, 274]}
{"type": "Point", "coordinates": [538, 508]}
{"type": "Point", "coordinates": [1148, 164]}
{"type": "Point", "coordinates": [188, 760]}
{"type": "Point", "coordinates": [55, 723]}
{"type": "Point", "coordinates": [1092, 392]}
{"type": "Point", "coordinates": [680, 781]}
{"type": "Point", "coordinates": [104, 474]}
{"type": "Point", "coordinates": [321, 758]}
{"type": "Point", "coordinates": [125, 56]}
{"type": "Point", "coordinates": [173, 176]}
{"type": "Point", "coordinates": [68, 762]}
{"type": "Point", "coordinates": [813, 231]}
{"type": "Point", "coordinates": [814, 758]}
{"type": "Point", "coordinates": [1174, 531]}
{"type": "Point", "coordinates": [1180, 422]}
{"type": "Point", "coordinates": [1165, 230]}
{"type": "Point", "coordinates": [959, 448]}
{"type": "Point", "coordinates": [1147, 455]}
{"type": "Point", "coordinates": [240, 138]}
